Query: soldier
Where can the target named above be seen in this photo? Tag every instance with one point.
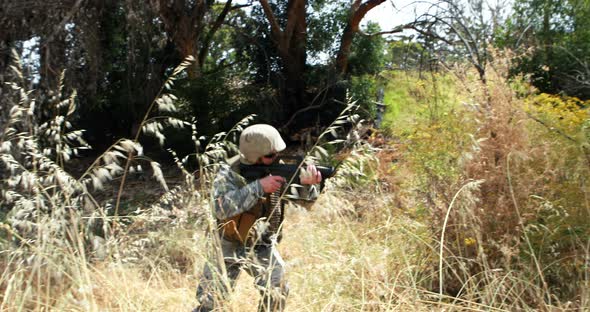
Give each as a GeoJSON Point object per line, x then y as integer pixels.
{"type": "Point", "coordinates": [246, 242]}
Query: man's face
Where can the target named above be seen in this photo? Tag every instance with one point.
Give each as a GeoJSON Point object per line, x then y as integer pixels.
{"type": "Point", "coordinates": [268, 159]}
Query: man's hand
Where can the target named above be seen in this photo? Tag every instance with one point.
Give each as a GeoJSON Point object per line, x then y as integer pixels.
{"type": "Point", "coordinates": [271, 184]}
{"type": "Point", "coordinates": [311, 175]}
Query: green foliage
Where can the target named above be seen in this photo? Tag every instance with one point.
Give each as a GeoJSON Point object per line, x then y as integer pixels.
{"type": "Point", "coordinates": [405, 55]}
{"type": "Point", "coordinates": [367, 53]}
{"type": "Point", "coordinates": [363, 89]}
{"type": "Point", "coordinates": [365, 62]}
{"type": "Point", "coordinates": [324, 25]}
{"type": "Point", "coordinates": [514, 188]}
{"type": "Point", "coordinates": [209, 100]}
{"type": "Point", "coordinates": [409, 97]}
{"type": "Point", "coordinates": [559, 33]}
{"type": "Point", "coordinates": [130, 60]}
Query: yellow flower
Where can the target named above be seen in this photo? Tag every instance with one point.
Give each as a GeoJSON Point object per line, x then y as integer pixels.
{"type": "Point", "coordinates": [469, 241]}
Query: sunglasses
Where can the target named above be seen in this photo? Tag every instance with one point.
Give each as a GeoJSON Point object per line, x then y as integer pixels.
{"type": "Point", "coordinates": [271, 155]}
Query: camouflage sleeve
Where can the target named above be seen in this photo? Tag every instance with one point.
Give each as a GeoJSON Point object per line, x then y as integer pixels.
{"type": "Point", "coordinates": [232, 195]}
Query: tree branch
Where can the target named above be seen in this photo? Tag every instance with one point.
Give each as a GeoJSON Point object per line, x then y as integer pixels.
{"type": "Point", "coordinates": [310, 107]}
{"type": "Point", "coordinates": [395, 30]}
{"type": "Point", "coordinates": [213, 30]}
{"type": "Point", "coordinates": [551, 128]}
{"type": "Point", "coordinates": [366, 7]}
{"type": "Point", "coordinates": [274, 25]}
{"type": "Point", "coordinates": [294, 7]}
{"type": "Point", "coordinates": [358, 12]}
{"type": "Point", "coordinates": [221, 66]}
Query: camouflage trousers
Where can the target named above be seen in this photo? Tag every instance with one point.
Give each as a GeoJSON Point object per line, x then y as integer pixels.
{"type": "Point", "coordinates": [263, 262]}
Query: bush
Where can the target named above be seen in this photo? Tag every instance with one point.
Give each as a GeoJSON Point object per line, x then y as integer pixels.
{"type": "Point", "coordinates": [504, 179]}
{"type": "Point", "coordinates": [363, 90]}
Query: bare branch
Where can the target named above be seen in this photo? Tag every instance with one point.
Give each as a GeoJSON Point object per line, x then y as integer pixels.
{"type": "Point", "coordinates": [358, 12]}
{"type": "Point", "coordinates": [218, 22]}
{"type": "Point", "coordinates": [553, 129]}
{"type": "Point", "coordinates": [274, 24]}
{"type": "Point", "coordinates": [310, 107]}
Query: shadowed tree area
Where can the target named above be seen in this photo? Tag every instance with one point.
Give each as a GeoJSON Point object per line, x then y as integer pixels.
{"type": "Point", "coordinates": [249, 57]}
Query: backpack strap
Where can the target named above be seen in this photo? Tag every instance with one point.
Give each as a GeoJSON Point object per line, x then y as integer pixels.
{"type": "Point", "coordinates": [238, 227]}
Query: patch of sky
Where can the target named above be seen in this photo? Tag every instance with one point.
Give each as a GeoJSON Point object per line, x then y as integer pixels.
{"type": "Point", "coordinates": [31, 58]}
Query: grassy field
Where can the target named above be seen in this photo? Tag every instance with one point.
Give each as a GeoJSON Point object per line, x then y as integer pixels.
{"type": "Point", "coordinates": [335, 262]}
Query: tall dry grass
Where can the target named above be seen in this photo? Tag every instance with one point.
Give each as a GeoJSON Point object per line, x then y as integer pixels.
{"type": "Point", "coordinates": [53, 227]}
{"type": "Point", "coordinates": [503, 194]}
{"type": "Point", "coordinates": [482, 210]}
{"type": "Point", "coordinates": [65, 249]}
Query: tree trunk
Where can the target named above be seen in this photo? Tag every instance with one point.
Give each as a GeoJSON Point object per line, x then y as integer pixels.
{"type": "Point", "coordinates": [183, 22]}
{"type": "Point", "coordinates": [291, 46]}
{"type": "Point", "coordinates": [294, 92]}
{"type": "Point", "coordinates": [93, 48]}
{"type": "Point", "coordinates": [4, 63]}
{"type": "Point", "coordinates": [547, 39]}
{"type": "Point", "coordinates": [52, 61]}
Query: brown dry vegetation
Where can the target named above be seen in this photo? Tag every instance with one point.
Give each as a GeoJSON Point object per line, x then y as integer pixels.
{"type": "Point", "coordinates": [463, 203]}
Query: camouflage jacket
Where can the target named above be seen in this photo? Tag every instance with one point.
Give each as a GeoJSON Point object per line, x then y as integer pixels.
{"type": "Point", "coordinates": [233, 195]}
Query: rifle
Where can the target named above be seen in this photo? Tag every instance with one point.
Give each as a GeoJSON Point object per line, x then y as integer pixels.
{"type": "Point", "coordinates": [289, 171]}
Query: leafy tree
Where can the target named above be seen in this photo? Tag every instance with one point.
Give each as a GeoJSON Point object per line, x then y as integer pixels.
{"type": "Point", "coordinates": [116, 52]}
{"type": "Point", "coordinates": [113, 53]}
{"type": "Point", "coordinates": [559, 32]}
{"type": "Point", "coordinates": [366, 60]}
{"type": "Point", "coordinates": [357, 12]}
{"type": "Point", "coordinates": [192, 26]}
{"type": "Point", "coordinates": [404, 54]}
{"type": "Point", "coordinates": [367, 56]}
{"type": "Point", "coordinates": [294, 31]}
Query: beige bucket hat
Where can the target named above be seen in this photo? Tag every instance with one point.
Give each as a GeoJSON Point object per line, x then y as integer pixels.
{"type": "Point", "coordinates": [259, 140]}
